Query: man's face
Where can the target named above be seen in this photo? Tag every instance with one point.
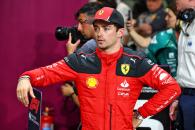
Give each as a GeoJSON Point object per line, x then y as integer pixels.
{"type": "Point", "coordinates": [185, 4]}
{"type": "Point", "coordinates": [107, 36]}
{"type": "Point", "coordinates": [153, 5]}
{"type": "Point", "coordinates": [85, 25]}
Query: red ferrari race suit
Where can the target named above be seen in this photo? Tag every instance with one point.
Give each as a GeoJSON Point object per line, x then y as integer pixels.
{"type": "Point", "coordinates": [109, 86]}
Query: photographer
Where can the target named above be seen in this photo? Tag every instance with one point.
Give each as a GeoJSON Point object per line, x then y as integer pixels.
{"type": "Point", "coordinates": [84, 16]}
{"type": "Point", "coordinates": [186, 64]}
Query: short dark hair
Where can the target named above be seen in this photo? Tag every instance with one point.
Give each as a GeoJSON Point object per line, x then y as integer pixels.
{"type": "Point", "coordinates": [109, 3]}
{"type": "Point", "coordinates": [90, 9]}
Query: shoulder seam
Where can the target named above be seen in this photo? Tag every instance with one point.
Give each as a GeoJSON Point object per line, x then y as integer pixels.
{"type": "Point", "coordinates": [86, 53]}
{"type": "Point", "coordinates": [132, 55]}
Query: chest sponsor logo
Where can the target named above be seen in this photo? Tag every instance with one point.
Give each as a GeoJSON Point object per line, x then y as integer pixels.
{"type": "Point", "coordinates": [125, 68]}
{"type": "Point", "coordinates": [124, 89]}
{"type": "Point", "coordinates": [124, 84]}
{"type": "Point", "coordinates": [92, 82]}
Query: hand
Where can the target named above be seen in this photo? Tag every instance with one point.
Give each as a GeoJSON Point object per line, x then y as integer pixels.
{"type": "Point", "coordinates": [136, 122]}
{"type": "Point", "coordinates": [145, 29]}
{"type": "Point", "coordinates": [173, 110]}
{"type": "Point", "coordinates": [130, 25]}
{"type": "Point", "coordinates": [67, 89]}
{"type": "Point", "coordinates": [170, 18]}
{"type": "Point", "coordinates": [71, 47]}
{"type": "Point", "coordinates": [23, 88]}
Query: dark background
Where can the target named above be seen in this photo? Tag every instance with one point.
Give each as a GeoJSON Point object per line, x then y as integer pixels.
{"type": "Point", "coordinates": [27, 41]}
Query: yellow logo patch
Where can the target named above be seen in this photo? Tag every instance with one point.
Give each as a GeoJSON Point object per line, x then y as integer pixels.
{"type": "Point", "coordinates": [125, 68]}
{"type": "Point", "coordinates": [91, 82]}
{"type": "Point", "coordinates": [101, 12]}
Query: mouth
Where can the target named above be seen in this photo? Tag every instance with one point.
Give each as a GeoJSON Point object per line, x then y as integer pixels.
{"type": "Point", "coordinates": [100, 40]}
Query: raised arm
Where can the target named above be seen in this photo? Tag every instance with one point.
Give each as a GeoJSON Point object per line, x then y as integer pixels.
{"type": "Point", "coordinates": [139, 40]}
{"type": "Point", "coordinates": [57, 72]}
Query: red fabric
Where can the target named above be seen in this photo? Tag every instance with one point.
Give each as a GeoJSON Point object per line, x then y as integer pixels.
{"type": "Point", "coordinates": [104, 14]}
{"type": "Point", "coordinates": [104, 102]}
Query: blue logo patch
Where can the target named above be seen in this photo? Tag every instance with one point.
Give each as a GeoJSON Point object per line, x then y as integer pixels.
{"type": "Point", "coordinates": [190, 43]}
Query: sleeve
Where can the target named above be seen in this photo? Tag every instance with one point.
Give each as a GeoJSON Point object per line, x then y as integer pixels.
{"type": "Point", "coordinates": [168, 90]}
{"type": "Point", "coordinates": [54, 73]}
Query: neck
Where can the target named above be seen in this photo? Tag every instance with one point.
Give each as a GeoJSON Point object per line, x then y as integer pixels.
{"type": "Point", "coordinates": [113, 49]}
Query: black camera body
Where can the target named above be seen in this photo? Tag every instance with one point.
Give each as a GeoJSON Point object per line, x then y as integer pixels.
{"type": "Point", "coordinates": [62, 33]}
{"type": "Point", "coordinates": [187, 15]}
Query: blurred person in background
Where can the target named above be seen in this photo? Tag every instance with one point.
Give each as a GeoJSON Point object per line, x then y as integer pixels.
{"type": "Point", "coordinates": [160, 48]}
{"type": "Point", "coordinates": [153, 20]}
{"type": "Point", "coordinates": [139, 7]}
{"type": "Point", "coordinates": [186, 65]}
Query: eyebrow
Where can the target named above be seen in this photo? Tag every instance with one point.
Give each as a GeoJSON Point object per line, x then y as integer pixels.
{"type": "Point", "coordinates": [104, 25]}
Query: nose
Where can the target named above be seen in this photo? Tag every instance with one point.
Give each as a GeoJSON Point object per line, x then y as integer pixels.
{"type": "Point", "coordinates": [79, 28]}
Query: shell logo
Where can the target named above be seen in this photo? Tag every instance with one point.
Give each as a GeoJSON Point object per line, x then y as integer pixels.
{"type": "Point", "coordinates": [91, 82]}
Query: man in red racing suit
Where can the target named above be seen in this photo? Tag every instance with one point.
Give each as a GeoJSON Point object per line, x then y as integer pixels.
{"type": "Point", "coordinates": [108, 85]}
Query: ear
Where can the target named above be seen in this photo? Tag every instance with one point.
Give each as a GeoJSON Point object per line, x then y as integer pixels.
{"type": "Point", "coordinates": [120, 32]}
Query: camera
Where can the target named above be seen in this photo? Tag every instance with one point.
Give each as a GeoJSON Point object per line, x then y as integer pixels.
{"type": "Point", "coordinates": [186, 15]}
{"type": "Point", "coordinates": [62, 33]}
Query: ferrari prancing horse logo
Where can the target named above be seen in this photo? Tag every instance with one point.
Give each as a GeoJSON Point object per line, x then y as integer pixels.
{"type": "Point", "coordinates": [101, 12]}
{"type": "Point", "coordinates": [125, 68]}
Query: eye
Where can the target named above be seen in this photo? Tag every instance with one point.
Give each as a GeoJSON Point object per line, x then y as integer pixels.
{"type": "Point", "coordinates": [96, 29]}
{"type": "Point", "coordinates": [107, 28]}
{"type": "Point", "coordinates": [83, 21]}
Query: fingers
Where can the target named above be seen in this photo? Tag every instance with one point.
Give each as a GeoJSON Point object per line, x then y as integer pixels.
{"type": "Point", "coordinates": [70, 38]}
{"type": "Point", "coordinates": [77, 43]}
{"type": "Point", "coordinates": [22, 96]}
{"type": "Point", "coordinates": [23, 88]}
{"type": "Point", "coordinates": [67, 89]}
{"type": "Point", "coordinates": [172, 110]}
{"type": "Point", "coordinates": [25, 97]}
{"type": "Point", "coordinates": [170, 12]}
{"type": "Point", "coordinates": [171, 115]}
{"type": "Point", "coordinates": [32, 93]}
{"type": "Point", "coordinates": [136, 122]}
{"type": "Point", "coordinates": [19, 95]}
{"type": "Point", "coordinates": [130, 23]}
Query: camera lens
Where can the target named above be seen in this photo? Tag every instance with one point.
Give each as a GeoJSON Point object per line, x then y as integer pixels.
{"type": "Point", "coordinates": [61, 33]}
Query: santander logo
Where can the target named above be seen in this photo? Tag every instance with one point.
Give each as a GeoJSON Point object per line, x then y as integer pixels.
{"type": "Point", "coordinates": [124, 84]}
